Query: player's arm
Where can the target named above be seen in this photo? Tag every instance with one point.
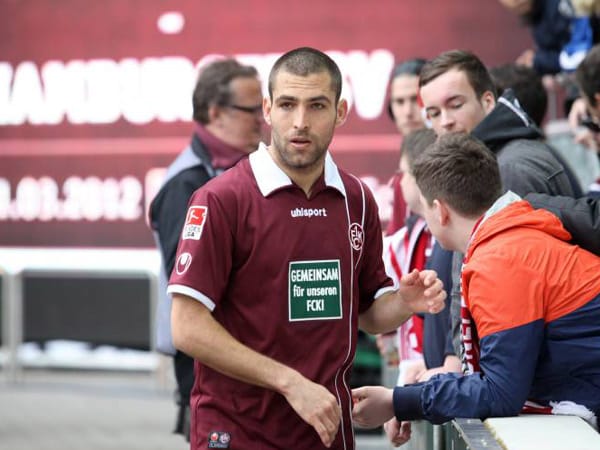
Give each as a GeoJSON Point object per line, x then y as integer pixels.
{"type": "Point", "coordinates": [419, 292]}
{"type": "Point", "coordinates": [198, 334]}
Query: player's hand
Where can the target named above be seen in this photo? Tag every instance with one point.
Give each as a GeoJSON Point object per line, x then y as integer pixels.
{"type": "Point", "coordinates": [397, 432]}
{"type": "Point", "coordinates": [373, 405]}
{"type": "Point", "coordinates": [423, 291]}
{"type": "Point", "coordinates": [317, 407]}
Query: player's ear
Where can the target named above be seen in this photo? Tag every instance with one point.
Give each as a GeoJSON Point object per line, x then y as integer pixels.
{"type": "Point", "coordinates": [341, 112]}
{"type": "Point", "coordinates": [442, 213]}
{"type": "Point", "coordinates": [266, 104]}
{"type": "Point", "coordinates": [488, 100]}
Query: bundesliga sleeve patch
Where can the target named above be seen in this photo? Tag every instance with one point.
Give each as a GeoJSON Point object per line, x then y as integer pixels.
{"type": "Point", "coordinates": [194, 222]}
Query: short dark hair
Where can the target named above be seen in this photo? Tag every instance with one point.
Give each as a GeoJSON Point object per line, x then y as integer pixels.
{"type": "Point", "coordinates": [213, 85]}
{"type": "Point", "coordinates": [415, 143]}
{"type": "Point", "coordinates": [408, 67]}
{"type": "Point", "coordinates": [305, 61]}
{"type": "Point", "coordinates": [527, 85]}
{"type": "Point", "coordinates": [460, 170]}
{"type": "Point", "coordinates": [461, 60]}
{"type": "Point", "coordinates": [588, 74]}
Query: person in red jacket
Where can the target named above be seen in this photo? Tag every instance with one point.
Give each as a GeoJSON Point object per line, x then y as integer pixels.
{"type": "Point", "coordinates": [530, 308]}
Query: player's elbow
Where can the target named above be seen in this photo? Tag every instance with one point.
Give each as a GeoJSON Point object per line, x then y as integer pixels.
{"type": "Point", "coordinates": [366, 324]}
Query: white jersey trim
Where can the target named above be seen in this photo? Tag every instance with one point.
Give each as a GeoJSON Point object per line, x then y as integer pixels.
{"type": "Point", "coordinates": [384, 290]}
{"type": "Point", "coordinates": [269, 176]}
{"type": "Point", "coordinates": [190, 292]}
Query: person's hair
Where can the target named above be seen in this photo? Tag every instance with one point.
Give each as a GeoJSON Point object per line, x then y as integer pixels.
{"type": "Point", "coordinates": [213, 86]}
{"type": "Point", "coordinates": [305, 61]}
{"type": "Point", "coordinates": [415, 143]}
{"type": "Point", "coordinates": [527, 85]}
{"type": "Point", "coordinates": [587, 74]}
{"type": "Point", "coordinates": [408, 67]}
{"type": "Point", "coordinates": [460, 170]}
{"type": "Point", "coordinates": [463, 61]}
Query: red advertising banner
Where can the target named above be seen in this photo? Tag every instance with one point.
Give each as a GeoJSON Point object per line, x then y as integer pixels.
{"type": "Point", "coordinates": [95, 97]}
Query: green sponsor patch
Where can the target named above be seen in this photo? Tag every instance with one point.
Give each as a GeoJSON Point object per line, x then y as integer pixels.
{"type": "Point", "coordinates": [315, 290]}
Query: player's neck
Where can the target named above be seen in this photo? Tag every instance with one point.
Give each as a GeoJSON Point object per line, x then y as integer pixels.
{"type": "Point", "coordinates": [305, 178]}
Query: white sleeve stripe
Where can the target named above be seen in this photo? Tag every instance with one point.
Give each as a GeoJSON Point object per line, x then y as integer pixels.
{"type": "Point", "coordinates": [196, 295]}
{"type": "Point", "coordinates": [382, 291]}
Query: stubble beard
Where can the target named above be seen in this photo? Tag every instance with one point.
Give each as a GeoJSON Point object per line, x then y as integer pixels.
{"type": "Point", "coordinates": [293, 161]}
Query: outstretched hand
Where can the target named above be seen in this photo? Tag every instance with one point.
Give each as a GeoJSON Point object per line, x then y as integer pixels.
{"type": "Point", "coordinates": [373, 405]}
{"type": "Point", "coordinates": [423, 291]}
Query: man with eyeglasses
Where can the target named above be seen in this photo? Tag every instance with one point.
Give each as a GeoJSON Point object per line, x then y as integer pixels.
{"type": "Point", "coordinates": [227, 108]}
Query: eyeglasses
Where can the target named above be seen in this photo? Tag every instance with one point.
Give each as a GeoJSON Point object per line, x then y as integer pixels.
{"type": "Point", "coordinates": [248, 109]}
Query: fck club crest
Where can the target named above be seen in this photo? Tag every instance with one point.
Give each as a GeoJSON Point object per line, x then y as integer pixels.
{"type": "Point", "coordinates": [356, 235]}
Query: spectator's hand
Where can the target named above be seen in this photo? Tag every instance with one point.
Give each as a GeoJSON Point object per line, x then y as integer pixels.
{"type": "Point", "coordinates": [397, 432]}
{"type": "Point", "coordinates": [422, 291]}
{"type": "Point", "coordinates": [426, 375]}
{"type": "Point", "coordinates": [413, 371]}
{"type": "Point", "coordinates": [589, 139]}
{"type": "Point", "coordinates": [373, 405]}
{"type": "Point", "coordinates": [578, 111]}
{"type": "Point", "coordinates": [317, 407]}
{"type": "Point", "coordinates": [526, 58]}
{"type": "Point", "coordinates": [452, 364]}
{"type": "Point", "coordinates": [582, 135]}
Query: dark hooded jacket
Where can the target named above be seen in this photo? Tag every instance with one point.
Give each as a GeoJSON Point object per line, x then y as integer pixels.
{"type": "Point", "coordinates": [581, 217]}
{"type": "Point", "coordinates": [526, 163]}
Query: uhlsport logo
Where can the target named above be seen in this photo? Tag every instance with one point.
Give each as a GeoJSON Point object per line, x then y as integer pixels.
{"type": "Point", "coordinates": [194, 222]}
{"type": "Point", "coordinates": [308, 212]}
{"type": "Point", "coordinates": [183, 263]}
{"type": "Point", "coordinates": [356, 235]}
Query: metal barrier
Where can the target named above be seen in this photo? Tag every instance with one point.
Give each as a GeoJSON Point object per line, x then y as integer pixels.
{"type": "Point", "coordinates": [524, 432]}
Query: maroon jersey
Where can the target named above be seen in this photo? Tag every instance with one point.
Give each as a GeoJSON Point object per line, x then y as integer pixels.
{"type": "Point", "coordinates": [287, 276]}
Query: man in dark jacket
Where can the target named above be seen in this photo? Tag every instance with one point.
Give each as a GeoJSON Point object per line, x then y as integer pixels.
{"type": "Point", "coordinates": [227, 104]}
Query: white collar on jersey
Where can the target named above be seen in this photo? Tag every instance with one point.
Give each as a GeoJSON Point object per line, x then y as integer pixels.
{"type": "Point", "coordinates": [270, 177]}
